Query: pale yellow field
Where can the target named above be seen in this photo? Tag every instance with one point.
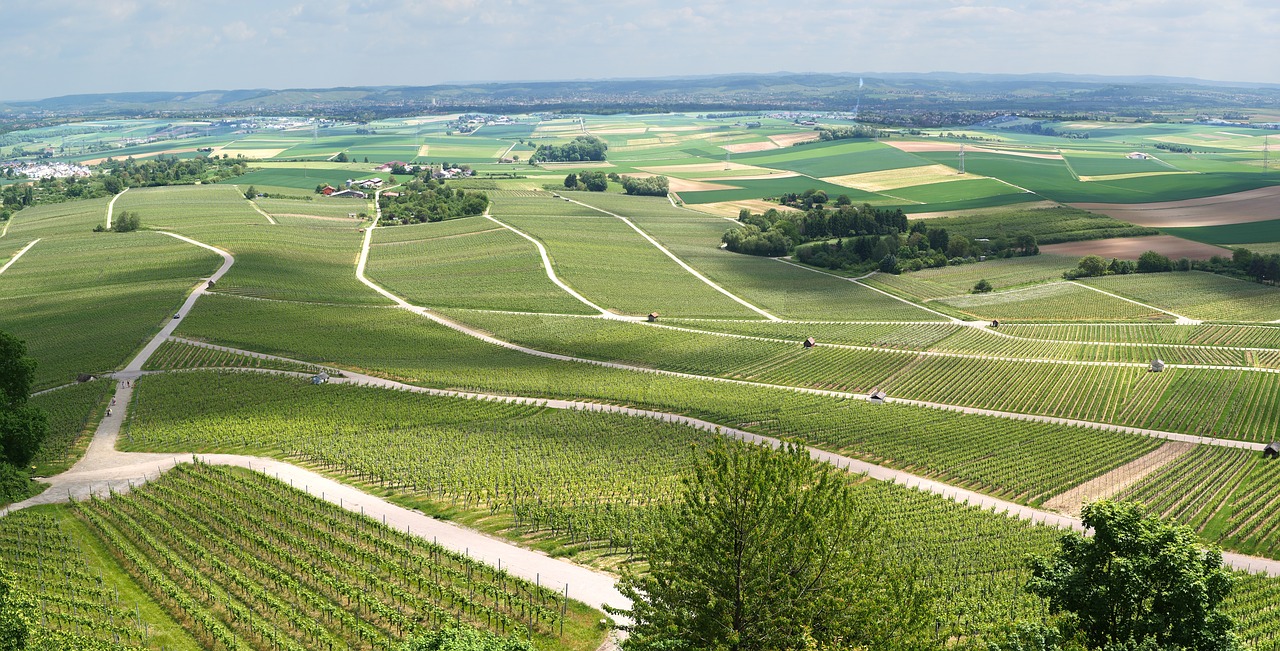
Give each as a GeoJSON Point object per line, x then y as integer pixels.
{"type": "Point", "coordinates": [422, 150]}
{"type": "Point", "coordinates": [619, 131]}
{"type": "Point", "coordinates": [1134, 175]}
{"type": "Point", "coordinates": [744, 147]}
{"type": "Point", "coordinates": [788, 139]}
{"type": "Point", "coordinates": [732, 208]}
{"type": "Point", "coordinates": [585, 163]}
{"type": "Point", "coordinates": [253, 153]}
{"type": "Point", "coordinates": [703, 167]}
{"type": "Point", "coordinates": [900, 178]}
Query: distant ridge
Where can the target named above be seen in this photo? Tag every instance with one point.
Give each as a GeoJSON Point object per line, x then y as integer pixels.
{"type": "Point", "coordinates": [955, 91]}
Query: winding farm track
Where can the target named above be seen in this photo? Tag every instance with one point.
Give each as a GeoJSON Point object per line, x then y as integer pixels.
{"type": "Point", "coordinates": [858, 281]}
{"type": "Point", "coordinates": [546, 264]}
{"type": "Point", "coordinates": [1181, 320]}
{"type": "Point", "coordinates": [111, 206]}
{"type": "Point", "coordinates": [18, 255]}
{"type": "Point", "coordinates": [683, 265]}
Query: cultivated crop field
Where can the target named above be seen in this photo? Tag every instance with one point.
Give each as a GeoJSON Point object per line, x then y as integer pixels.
{"type": "Point", "coordinates": [1057, 398]}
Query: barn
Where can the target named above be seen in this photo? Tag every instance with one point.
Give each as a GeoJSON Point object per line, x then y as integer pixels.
{"type": "Point", "coordinates": [1272, 451]}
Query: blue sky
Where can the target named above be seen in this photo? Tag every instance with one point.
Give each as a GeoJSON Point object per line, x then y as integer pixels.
{"type": "Point", "coordinates": [60, 47]}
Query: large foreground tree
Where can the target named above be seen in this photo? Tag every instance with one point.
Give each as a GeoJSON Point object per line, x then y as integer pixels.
{"type": "Point", "coordinates": [768, 549]}
{"type": "Point", "coordinates": [22, 427]}
{"type": "Point", "coordinates": [1138, 582]}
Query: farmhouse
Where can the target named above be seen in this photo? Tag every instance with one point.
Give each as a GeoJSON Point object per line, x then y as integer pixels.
{"type": "Point", "coordinates": [320, 378]}
{"type": "Point", "coordinates": [348, 193]}
{"type": "Point", "coordinates": [327, 190]}
{"type": "Point", "coordinates": [1137, 155]}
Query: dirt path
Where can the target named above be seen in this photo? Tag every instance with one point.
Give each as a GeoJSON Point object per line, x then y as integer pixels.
{"type": "Point", "coordinates": [172, 324]}
{"type": "Point", "coordinates": [111, 206]}
{"type": "Point", "coordinates": [18, 254]}
{"type": "Point", "coordinates": [710, 283]}
{"type": "Point", "coordinates": [546, 264]}
{"type": "Point", "coordinates": [1181, 320]}
{"type": "Point", "coordinates": [261, 212]}
{"type": "Point", "coordinates": [857, 281]}
{"type": "Point", "coordinates": [1117, 480]}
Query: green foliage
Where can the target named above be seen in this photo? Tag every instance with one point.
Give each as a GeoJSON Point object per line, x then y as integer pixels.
{"type": "Point", "coordinates": [650, 186]}
{"type": "Point", "coordinates": [23, 427]}
{"type": "Point", "coordinates": [751, 240]}
{"type": "Point", "coordinates": [1153, 262]}
{"type": "Point", "coordinates": [251, 192]}
{"type": "Point", "coordinates": [1137, 581]}
{"type": "Point", "coordinates": [983, 286]}
{"type": "Point", "coordinates": [770, 550]}
{"type": "Point", "coordinates": [127, 222]}
{"type": "Point", "coordinates": [1048, 225]}
{"type": "Point", "coordinates": [1089, 266]}
{"type": "Point", "coordinates": [430, 201]}
{"type": "Point", "coordinates": [581, 148]}
{"type": "Point", "coordinates": [17, 610]}
{"type": "Point", "coordinates": [457, 638]}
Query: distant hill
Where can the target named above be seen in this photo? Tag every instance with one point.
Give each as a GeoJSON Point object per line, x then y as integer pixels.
{"type": "Point", "coordinates": [943, 91]}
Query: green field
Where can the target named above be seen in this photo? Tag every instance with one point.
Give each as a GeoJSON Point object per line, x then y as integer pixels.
{"type": "Point", "coordinates": [1233, 234]}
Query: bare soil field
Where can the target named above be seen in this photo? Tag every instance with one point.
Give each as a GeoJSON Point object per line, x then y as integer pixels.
{"type": "Point", "coordinates": [914, 146]}
{"type": "Point", "coordinates": [788, 139]}
{"type": "Point", "coordinates": [754, 177]}
{"type": "Point", "coordinates": [1258, 205]}
{"type": "Point", "coordinates": [619, 131]}
{"type": "Point", "coordinates": [1034, 205]}
{"type": "Point", "coordinates": [572, 165]}
{"type": "Point", "coordinates": [1117, 480]}
{"type": "Point", "coordinates": [1129, 248]}
{"type": "Point", "coordinates": [744, 147]}
{"type": "Point", "coordinates": [685, 185]}
{"type": "Point", "coordinates": [253, 153]}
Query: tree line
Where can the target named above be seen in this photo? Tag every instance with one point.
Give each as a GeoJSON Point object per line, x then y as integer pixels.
{"type": "Point", "coordinates": [861, 238]}
{"type": "Point", "coordinates": [1243, 264]}
{"type": "Point", "coordinates": [115, 175]}
{"type": "Point", "coordinates": [581, 148]}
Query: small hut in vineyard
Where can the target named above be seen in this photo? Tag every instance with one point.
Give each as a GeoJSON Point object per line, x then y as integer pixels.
{"type": "Point", "coordinates": [1272, 451]}
{"type": "Point", "coordinates": [810, 343]}
{"type": "Point", "coordinates": [653, 316]}
{"type": "Point", "coordinates": [1157, 365]}
{"type": "Point", "coordinates": [876, 398]}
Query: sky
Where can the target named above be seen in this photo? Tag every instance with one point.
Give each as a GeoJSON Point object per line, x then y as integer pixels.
{"type": "Point", "coordinates": [62, 47]}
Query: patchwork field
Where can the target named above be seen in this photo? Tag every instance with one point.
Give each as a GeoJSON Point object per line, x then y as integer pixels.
{"type": "Point", "coordinates": [1129, 248]}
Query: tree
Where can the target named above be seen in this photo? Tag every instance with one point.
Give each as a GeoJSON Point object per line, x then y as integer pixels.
{"type": "Point", "coordinates": [341, 157]}
{"type": "Point", "coordinates": [982, 287]}
{"type": "Point", "coordinates": [1153, 262]}
{"type": "Point", "coordinates": [571, 181]}
{"type": "Point", "coordinates": [251, 192]}
{"type": "Point", "coordinates": [1092, 265]}
{"type": "Point", "coordinates": [768, 549]}
{"type": "Point", "coordinates": [1137, 581]}
{"type": "Point", "coordinates": [22, 427]}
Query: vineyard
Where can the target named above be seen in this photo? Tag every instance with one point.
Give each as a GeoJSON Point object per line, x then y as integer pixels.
{"type": "Point", "coordinates": [223, 558]}
{"type": "Point", "coordinates": [49, 557]}
{"type": "Point", "coordinates": [609, 263]}
{"type": "Point", "coordinates": [468, 263]}
{"type": "Point", "coordinates": [173, 355]}
{"type": "Point", "coordinates": [274, 568]}
{"type": "Point", "coordinates": [594, 481]}
{"type": "Point", "coordinates": [785, 290]}
{"type": "Point", "coordinates": [73, 412]}
{"type": "Point", "coordinates": [1024, 463]}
